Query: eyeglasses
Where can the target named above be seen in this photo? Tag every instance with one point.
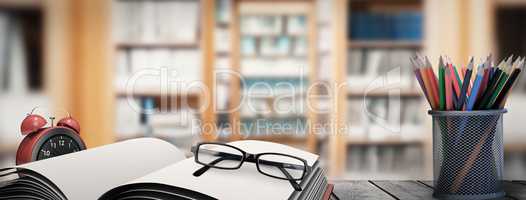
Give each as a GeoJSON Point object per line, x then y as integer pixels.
{"type": "Point", "coordinates": [228, 157]}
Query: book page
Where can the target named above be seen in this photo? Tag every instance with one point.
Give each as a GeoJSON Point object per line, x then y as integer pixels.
{"type": "Point", "coordinates": [243, 183]}
{"type": "Point", "coordinates": [88, 174]}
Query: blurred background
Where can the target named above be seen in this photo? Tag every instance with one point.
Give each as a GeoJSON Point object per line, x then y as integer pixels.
{"type": "Point", "coordinates": [80, 55]}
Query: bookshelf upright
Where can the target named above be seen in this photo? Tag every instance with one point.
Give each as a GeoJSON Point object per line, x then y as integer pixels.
{"type": "Point", "coordinates": [271, 45]}
{"type": "Point", "coordinates": [386, 126]}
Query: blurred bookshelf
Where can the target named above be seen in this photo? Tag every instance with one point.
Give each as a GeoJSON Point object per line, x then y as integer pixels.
{"type": "Point", "coordinates": [272, 47]}
{"type": "Point", "coordinates": [160, 37]}
{"type": "Point", "coordinates": [387, 132]}
{"type": "Point", "coordinates": [22, 70]}
{"type": "Point", "coordinates": [150, 33]}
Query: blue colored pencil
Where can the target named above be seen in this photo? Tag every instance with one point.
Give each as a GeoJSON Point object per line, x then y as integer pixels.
{"type": "Point", "coordinates": [475, 89]}
{"type": "Point", "coordinates": [465, 84]}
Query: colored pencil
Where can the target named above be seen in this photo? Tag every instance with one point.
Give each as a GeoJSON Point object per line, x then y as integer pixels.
{"type": "Point", "coordinates": [498, 83]}
{"type": "Point", "coordinates": [503, 79]}
{"type": "Point", "coordinates": [466, 88]}
{"type": "Point", "coordinates": [448, 88]}
{"type": "Point", "coordinates": [474, 93]}
{"type": "Point", "coordinates": [465, 84]}
{"type": "Point", "coordinates": [501, 97]}
{"type": "Point", "coordinates": [486, 77]}
{"type": "Point", "coordinates": [434, 82]}
{"type": "Point", "coordinates": [441, 85]}
{"type": "Point", "coordinates": [424, 88]}
{"type": "Point", "coordinates": [456, 83]}
{"type": "Point", "coordinates": [457, 75]}
{"type": "Point", "coordinates": [490, 88]}
{"type": "Point", "coordinates": [455, 79]}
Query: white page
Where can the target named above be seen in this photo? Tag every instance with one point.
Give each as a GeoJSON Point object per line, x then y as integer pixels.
{"type": "Point", "coordinates": [88, 174]}
{"type": "Point", "coordinates": [243, 183]}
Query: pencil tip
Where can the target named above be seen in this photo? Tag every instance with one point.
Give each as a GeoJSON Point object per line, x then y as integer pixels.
{"type": "Point", "coordinates": [428, 64]}
{"type": "Point", "coordinates": [415, 66]}
{"type": "Point", "coordinates": [441, 62]}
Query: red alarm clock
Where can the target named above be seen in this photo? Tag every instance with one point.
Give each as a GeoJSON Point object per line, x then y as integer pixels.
{"type": "Point", "coordinates": [42, 142]}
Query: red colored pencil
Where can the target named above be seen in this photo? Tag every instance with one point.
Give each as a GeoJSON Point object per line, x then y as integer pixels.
{"type": "Point", "coordinates": [449, 88]}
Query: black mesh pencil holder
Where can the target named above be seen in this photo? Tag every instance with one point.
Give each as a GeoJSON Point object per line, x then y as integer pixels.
{"type": "Point", "coordinates": [468, 154]}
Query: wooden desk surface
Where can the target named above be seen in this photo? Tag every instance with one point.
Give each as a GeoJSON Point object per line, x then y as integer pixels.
{"type": "Point", "coordinates": [418, 190]}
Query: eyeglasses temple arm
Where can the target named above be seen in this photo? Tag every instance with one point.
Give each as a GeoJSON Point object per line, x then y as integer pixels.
{"type": "Point", "coordinates": [205, 168]}
{"type": "Point", "coordinates": [224, 156]}
{"type": "Point", "coordinates": [295, 185]}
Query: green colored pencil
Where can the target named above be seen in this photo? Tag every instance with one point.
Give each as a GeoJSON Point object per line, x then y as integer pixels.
{"type": "Point", "coordinates": [441, 84]}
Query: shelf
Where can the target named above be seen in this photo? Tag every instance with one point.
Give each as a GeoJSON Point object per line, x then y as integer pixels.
{"type": "Point", "coordinates": [273, 35]}
{"type": "Point", "coordinates": [135, 136]}
{"type": "Point", "coordinates": [385, 44]}
{"type": "Point", "coordinates": [282, 138]}
{"type": "Point", "coordinates": [387, 141]}
{"type": "Point", "coordinates": [224, 25]}
{"type": "Point", "coordinates": [155, 94]}
{"type": "Point", "coordinates": [275, 117]}
{"type": "Point", "coordinates": [276, 94]}
{"type": "Point", "coordinates": [222, 53]}
{"type": "Point", "coordinates": [133, 45]}
{"type": "Point", "coordinates": [383, 93]}
{"type": "Point", "coordinates": [275, 57]}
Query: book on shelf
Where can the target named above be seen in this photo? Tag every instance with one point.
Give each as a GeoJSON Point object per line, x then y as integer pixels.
{"type": "Point", "coordinates": [127, 118]}
{"type": "Point", "coordinates": [105, 173]}
{"type": "Point", "coordinates": [323, 11]}
{"type": "Point", "coordinates": [366, 65]}
{"type": "Point", "coordinates": [275, 46]}
{"type": "Point", "coordinates": [260, 25]}
{"type": "Point", "coordinates": [380, 118]}
{"type": "Point", "coordinates": [373, 25]}
{"type": "Point", "coordinates": [156, 21]}
{"type": "Point", "coordinates": [357, 119]}
{"type": "Point", "coordinates": [296, 24]}
{"type": "Point", "coordinates": [223, 9]}
{"type": "Point", "coordinates": [261, 67]}
{"type": "Point", "coordinates": [300, 46]}
{"type": "Point", "coordinates": [282, 86]}
{"type": "Point", "coordinates": [270, 126]}
{"type": "Point", "coordinates": [248, 46]}
{"type": "Point", "coordinates": [182, 122]}
{"type": "Point", "coordinates": [147, 66]}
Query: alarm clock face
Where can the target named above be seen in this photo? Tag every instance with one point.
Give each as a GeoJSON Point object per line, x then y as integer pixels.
{"type": "Point", "coordinates": [56, 142]}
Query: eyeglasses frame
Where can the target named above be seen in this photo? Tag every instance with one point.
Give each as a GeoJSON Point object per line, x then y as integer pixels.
{"type": "Point", "coordinates": [250, 158]}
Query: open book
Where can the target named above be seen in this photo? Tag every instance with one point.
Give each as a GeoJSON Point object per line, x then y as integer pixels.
{"type": "Point", "coordinates": [149, 168]}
